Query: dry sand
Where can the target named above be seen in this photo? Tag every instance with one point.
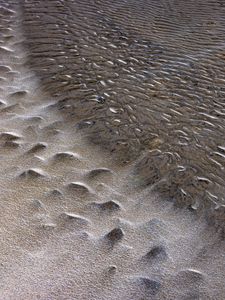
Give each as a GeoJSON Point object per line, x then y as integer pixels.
{"type": "Point", "coordinates": [112, 151]}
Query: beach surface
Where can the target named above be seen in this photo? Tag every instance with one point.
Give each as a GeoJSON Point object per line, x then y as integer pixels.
{"type": "Point", "coordinates": [112, 150]}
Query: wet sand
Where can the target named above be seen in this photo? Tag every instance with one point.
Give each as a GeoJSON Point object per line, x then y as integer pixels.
{"type": "Point", "coordinates": [112, 152]}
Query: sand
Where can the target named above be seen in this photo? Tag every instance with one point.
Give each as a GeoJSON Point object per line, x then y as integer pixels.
{"type": "Point", "coordinates": [112, 152]}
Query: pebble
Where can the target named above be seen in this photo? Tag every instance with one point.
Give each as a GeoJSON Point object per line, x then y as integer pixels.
{"type": "Point", "coordinates": [115, 235]}
{"type": "Point", "coordinates": [107, 206]}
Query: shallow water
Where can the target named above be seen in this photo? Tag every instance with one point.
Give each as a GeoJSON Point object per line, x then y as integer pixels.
{"type": "Point", "coordinates": [112, 151]}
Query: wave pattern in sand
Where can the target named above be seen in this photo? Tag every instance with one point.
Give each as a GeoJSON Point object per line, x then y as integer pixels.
{"type": "Point", "coordinates": [146, 79]}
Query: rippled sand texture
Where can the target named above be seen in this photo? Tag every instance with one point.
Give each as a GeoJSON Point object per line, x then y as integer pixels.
{"type": "Point", "coordinates": [108, 109]}
{"type": "Point", "coordinates": [146, 80]}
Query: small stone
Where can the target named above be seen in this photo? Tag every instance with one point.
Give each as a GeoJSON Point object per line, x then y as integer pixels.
{"type": "Point", "coordinates": [18, 94]}
{"type": "Point", "coordinates": [33, 173]}
{"type": "Point", "coordinates": [38, 204]}
{"type": "Point", "coordinates": [192, 207]}
{"type": "Point", "coordinates": [73, 217]}
{"type": "Point", "coordinates": [48, 226]}
{"type": "Point", "coordinates": [108, 206]}
{"type": "Point", "coordinates": [79, 187]}
{"type": "Point", "coordinates": [100, 99]}
{"type": "Point", "coordinates": [66, 156]}
{"type": "Point", "coordinates": [112, 270]}
{"type": "Point", "coordinates": [115, 235]}
{"type": "Point", "coordinates": [157, 252]}
{"type": "Point", "coordinates": [2, 103]}
{"type": "Point", "coordinates": [190, 275]}
{"type": "Point", "coordinates": [151, 286]}
{"type": "Point", "coordinates": [35, 119]}
{"type": "Point", "coordinates": [37, 147]}
{"type": "Point", "coordinates": [11, 108]}
{"type": "Point", "coordinates": [85, 124]}
{"type": "Point", "coordinates": [56, 192]}
{"type": "Point", "coordinates": [97, 172]}
{"type": "Point", "coordinates": [9, 136]}
{"type": "Point", "coordinates": [4, 69]}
